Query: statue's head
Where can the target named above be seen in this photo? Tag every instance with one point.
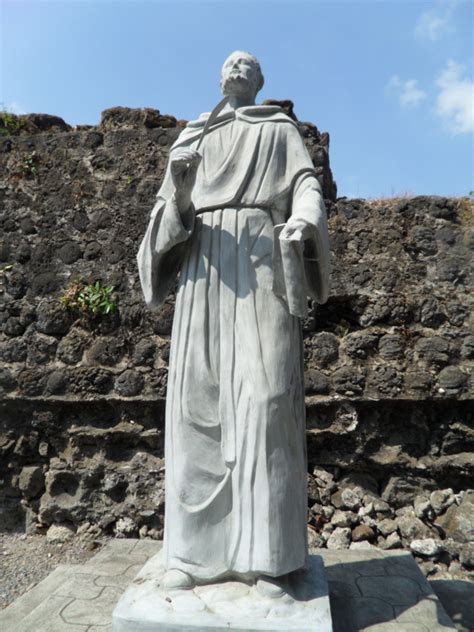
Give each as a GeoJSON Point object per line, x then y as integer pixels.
{"type": "Point", "coordinates": [241, 75]}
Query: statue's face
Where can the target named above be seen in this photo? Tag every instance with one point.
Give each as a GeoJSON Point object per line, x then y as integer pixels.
{"type": "Point", "coordinates": [239, 76]}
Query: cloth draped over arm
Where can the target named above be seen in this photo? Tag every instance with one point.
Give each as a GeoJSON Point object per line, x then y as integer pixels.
{"type": "Point", "coordinates": [161, 250]}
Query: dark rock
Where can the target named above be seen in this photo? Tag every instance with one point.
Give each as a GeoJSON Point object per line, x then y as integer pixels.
{"type": "Point", "coordinates": [434, 350]}
{"type": "Point", "coordinates": [144, 353]}
{"type": "Point", "coordinates": [14, 350]}
{"type": "Point", "coordinates": [400, 492]}
{"type": "Point", "coordinates": [80, 221]}
{"type": "Point", "coordinates": [71, 347]}
{"type": "Point", "coordinates": [363, 533]}
{"type": "Point", "coordinates": [45, 283]}
{"type": "Point", "coordinates": [52, 318]}
{"type": "Point", "coordinates": [431, 314]}
{"type": "Point", "coordinates": [70, 252]}
{"type": "Point", "coordinates": [119, 117]}
{"type": "Point", "coordinates": [348, 381]}
{"type": "Point", "coordinates": [90, 380]}
{"type": "Point", "coordinates": [360, 344]}
{"type": "Point", "coordinates": [31, 382]}
{"type": "Point", "coordinates": [419, 382]}
{"type": "Point", "coordinates": [467, 349]}
{"type": "Point", "coordinates": [385, 380]}
{"type": "Point", "coordinates": [41, 349]}
{"type": "Point", "coordinates": [163, 319]}
{"type": "Point", "coordinates": [92, 250]}
{"type": "Point", "coordinates": [106, 351]}
{"type": "Point", "coordinates": [451, 380]}
{"type": "Point", "coordinates": [286, 105]}
{"type": "Point", "coordinates": [315, 382]}
{"type": "Point", "coordinates": [43, 122]}
{"type": "Point", "coordinates": [450, 269]}
{"type": "Point", "coordinates": [14, 327]}
{"type": "Point", "coordinates": [325, 349]}
{"type": "Point", "coordinates": [31, 481]}
{"type": "Point", "coordinates": [7, 381]}
{"type": "Point", "coordinates": [56, 383]}
{"type": "Point", "coordinates": [129, 383]}
{"type": "Point", "coordinates": [391, 347]}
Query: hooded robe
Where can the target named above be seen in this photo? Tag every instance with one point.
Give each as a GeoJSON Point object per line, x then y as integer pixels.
{"type": "Point", "coordinates": [235, 447]}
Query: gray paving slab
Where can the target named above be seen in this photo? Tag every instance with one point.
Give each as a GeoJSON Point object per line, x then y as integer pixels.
{"type": "Point", "coordinates": [25, 604]}
{"type": "Point", "coordinates": [370, 591]}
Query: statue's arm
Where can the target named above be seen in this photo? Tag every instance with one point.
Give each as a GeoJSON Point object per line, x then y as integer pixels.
{"type": "Point", "coordinates": [162, 248]}
{"type": "Point", "coordinates": [308, 222]}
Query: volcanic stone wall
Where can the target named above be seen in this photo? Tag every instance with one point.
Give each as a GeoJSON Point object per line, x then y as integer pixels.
{"type": "Point", "coordinates": [387, 359]}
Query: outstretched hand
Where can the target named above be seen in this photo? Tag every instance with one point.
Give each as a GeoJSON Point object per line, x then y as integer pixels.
{"type": "Point", "coordinates": [184, 164]}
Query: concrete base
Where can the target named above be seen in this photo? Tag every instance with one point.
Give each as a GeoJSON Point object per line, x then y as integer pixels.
{"type": "Point", "coordinates": [369, 590]}
{"type": "Point", "coordinates": [225, 605]}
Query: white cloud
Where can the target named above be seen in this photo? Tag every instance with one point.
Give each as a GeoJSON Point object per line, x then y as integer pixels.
{"type": "Point", "coordinates": [455, 100]}
{"type": "Point", "coordinates": [435, 22]}
{"type": "Point", "coordinates": [408, 92]}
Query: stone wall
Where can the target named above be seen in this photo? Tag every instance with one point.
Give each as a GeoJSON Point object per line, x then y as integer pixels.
{"type": "Point", "coordinates": [388, 358]}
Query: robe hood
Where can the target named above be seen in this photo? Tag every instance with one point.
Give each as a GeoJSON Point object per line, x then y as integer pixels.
{"type": "Point", "coordinates": [250, 114]}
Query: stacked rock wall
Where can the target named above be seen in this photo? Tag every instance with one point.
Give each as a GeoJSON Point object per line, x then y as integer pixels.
{"type": "Point", "coordinates": [387, 359]}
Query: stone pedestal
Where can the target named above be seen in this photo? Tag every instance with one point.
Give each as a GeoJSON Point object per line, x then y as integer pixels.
{"type": "Point", "coordinates": [226, 605]}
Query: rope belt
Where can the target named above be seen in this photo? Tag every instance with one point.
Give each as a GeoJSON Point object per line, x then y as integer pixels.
{"type": "Point", "coordinates": [210, 209]}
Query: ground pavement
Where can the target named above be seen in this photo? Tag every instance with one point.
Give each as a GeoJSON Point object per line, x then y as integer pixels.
{"type": "Point", "coordinates": [370, 590]}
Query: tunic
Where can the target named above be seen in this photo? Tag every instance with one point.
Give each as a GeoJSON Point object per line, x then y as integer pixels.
{"type": "Point", "coordinates": [235, 450]}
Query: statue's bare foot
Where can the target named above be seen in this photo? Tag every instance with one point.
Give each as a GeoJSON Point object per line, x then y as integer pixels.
{"type": "Point", "coordinates": [175, 579]}
{"type": "Point", "coordinates": [270, 587]}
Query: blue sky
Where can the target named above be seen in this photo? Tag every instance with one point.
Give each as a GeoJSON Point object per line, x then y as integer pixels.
{"type": "Point", "coordinates": [390, 80]}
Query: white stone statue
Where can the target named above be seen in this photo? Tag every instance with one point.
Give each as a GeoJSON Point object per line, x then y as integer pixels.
{"type": "Point", "coordinates": [243, 223]}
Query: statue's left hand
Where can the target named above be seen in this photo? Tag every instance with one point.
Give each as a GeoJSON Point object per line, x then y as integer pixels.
{"type": "Point", "coordinates": [184, 164]}
{"type": "Point", "coordinates": [295, 229]}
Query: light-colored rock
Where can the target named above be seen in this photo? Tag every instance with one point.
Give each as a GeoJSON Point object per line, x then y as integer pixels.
{"type": "Point", "coordinates": [367, 510]}
{"type": "Point", "coordinates": [339, 538]}
{"type": "Point", "coordinates": [441, 499]}
{"type": "Point", "coordinates": [412, 528]}
{"type": "Point", "coordinates": [429, 547]}
{"type": "Point", "coordinates": [466, 556]}
{"type": "Point", "coordinates": [387, 526]}
{"type": "Point", "coordinates": [422, 507]}
{"type": "Point", "coordinates": [125, 527]}
{"type": "Point", "coordinates": [343, 518]}
{"type": "Point", "coordinates": [393, 541]}
{"type": "Point", "coordinates": [458, 521]}
{"type": "Point", "coordinates": [364, 545]}
{"type": "Point", "coordinates": [58, 533]}
{"type": "Point", "coordinates": [351, 499]}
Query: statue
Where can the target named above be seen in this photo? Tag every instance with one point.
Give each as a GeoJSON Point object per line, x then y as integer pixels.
{"type": "Point", "coordinates": [242, 221]}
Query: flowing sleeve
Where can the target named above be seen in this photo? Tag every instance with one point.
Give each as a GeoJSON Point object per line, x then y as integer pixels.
{"type": "Point", "coordinates": [162, 248]}
{"type": "Point", "coordinates": [308, 205]}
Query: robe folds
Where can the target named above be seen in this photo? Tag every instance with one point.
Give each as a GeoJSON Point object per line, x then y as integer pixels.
{"type": "Point", "coordinates": [235, 448]}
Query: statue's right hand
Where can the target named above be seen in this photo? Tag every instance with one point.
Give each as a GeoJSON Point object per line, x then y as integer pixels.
{"type": "Point", "coordinates": [184, 164]}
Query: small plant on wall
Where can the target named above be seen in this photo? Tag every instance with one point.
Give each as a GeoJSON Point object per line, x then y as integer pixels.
{"type": "Point", "coordinates": [10, 124]}
{"type": "Point", "coordinates": [89, 299]}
